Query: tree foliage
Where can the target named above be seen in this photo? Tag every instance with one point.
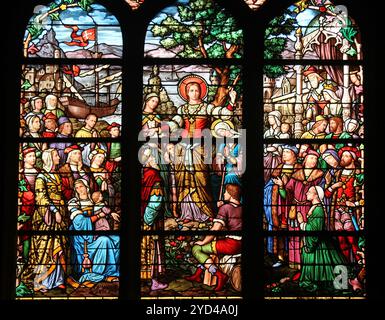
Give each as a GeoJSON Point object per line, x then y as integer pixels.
{"type": "Point", "coordinates": [202, 29]}
{"type": "Point", "coordinates": [275, 42]}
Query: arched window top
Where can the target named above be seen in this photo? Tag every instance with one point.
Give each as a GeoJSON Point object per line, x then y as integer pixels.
{"type": "Point", "coordinates": [194, 29]}
{"type": "Point", "coordinates": [313, 29]}
{"type": "Point", "coordinates": [73, 29]}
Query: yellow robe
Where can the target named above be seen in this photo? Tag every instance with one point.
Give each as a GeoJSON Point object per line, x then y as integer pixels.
{"type": "Point", "coordinates": [47, 250]}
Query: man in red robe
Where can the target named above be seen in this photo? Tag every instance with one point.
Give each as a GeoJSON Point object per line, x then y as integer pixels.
{"type": "Point", "coordinates": [345, 199]}
{"type": "Point", "coordinates": [152, 199]}
{"type": "Point", "coordinates": [27, 177]}
{"type": "Point", "coordinates": [278, 205]}
{"type": "Point", "coordinates": [74, 169]}
{"type": "Point", "coordinates": [295, 193]}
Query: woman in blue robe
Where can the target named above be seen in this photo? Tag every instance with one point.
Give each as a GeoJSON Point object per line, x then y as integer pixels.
{"type": "Point", "coordinates": [95, 257]}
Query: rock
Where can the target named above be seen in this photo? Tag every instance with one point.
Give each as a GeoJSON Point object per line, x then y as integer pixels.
{"type": "Point", "coordinates": [170, 224]}
{"type": "Point", "coordinates": [179, 285]}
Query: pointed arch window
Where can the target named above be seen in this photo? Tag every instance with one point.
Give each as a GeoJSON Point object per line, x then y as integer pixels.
{"type": "Point", "coordinates": [69, 146]}
{"type": "Point", "coordinates": [314, 153]}
{"type": "Point", "coordinates": [192, 83]}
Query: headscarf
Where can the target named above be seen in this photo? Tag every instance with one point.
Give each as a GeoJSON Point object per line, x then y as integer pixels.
{"type": "Point", "coordinates": [331, 152]}
{"type": "Point", "coordinates": [148, 97]}
{"type": "Point", "coordinates": [277, 117]}
{"type": "Point", "coordinates": [30, 119]}
{"type": "Point", "coordinates": [85, 183]}
{"type": "Point", "coordinates": [351, 121]}
{"type": "Point", "coordinates": [46, 156]}
{"type": "Point", "coordinates": [47, 104]}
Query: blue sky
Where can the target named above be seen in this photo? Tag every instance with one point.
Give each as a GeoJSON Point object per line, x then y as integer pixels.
{"type": "Point", "coordinates": [108, 26]}
{"type": "Point", "coordinates": [171, 10]}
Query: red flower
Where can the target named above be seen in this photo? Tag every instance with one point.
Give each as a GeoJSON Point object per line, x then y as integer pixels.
{"type": "Point", "coordinates": [172, 243]}
{"type": "Point", "coordinates": [179, 256]}
{"type": "Point", "coordinates": [322, 9]}
{"type": "Point", "coordinates": [180, 238]}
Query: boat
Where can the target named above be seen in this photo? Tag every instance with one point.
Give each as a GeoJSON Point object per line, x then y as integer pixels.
{"type": "Point", "coordinates": [75, 104]}
{"type": "Point", "coordinates": [76, 108]}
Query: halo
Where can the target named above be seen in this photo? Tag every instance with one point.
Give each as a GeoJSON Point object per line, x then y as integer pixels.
{"type": "Point", "coordinates": [217, 123]}
{"type": "Point", "coordinates": [188, 79]}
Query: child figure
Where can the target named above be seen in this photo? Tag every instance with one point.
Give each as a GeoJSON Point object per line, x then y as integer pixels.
{"type": "Point", "coordinates": [285, 131]}
{"type": "Point", "coordinates": [100, 208]}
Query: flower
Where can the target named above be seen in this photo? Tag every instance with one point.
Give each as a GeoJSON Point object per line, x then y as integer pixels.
{"type": "Point", "coordinates": [322, 9]}
{"type": "Point", "coordinates": [180, 238]}
{"type": "Point", "coordinates": [172, 243]}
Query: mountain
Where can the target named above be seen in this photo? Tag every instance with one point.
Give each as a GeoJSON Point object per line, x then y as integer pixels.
{"type": "Point", "coordinates": [107, 51]}
{"type": "Point", "coordinates": [156, 51]}
{"type": "Point", "coordinates": [47, 45]}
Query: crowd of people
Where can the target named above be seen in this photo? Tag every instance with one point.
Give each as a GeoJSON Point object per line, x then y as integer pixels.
{"type": "Point", "coordinates": [69, 186]}
{"type": "Point", "coordinates": [317, 188]}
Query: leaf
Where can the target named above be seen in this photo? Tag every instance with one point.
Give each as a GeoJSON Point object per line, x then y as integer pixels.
{"type": "Point", "coordinates": [53, 5]}
{"type": "Point", "coordinates": [23, 218]}
{"type": "Point", "coordinates": [349, 33]}
{"type": "Point", "coordinates": [68, 1]}
{"type": "Point", "coordinates": [216, 51]}
{"type": "Point", "coordinates": [351, 52]}
{"type": "Point", "coordinates": [185, 13]}
{"type": "Point", "coordinates": [168, 43]}
{"type": "Point", "coordinates": [86, 4]}
{"type": "Point", "coordinates": [273, 71]}
{"type": "Point", "coordinates": [25, 86]}
{"type": "Point", "coordinates": [55, 16]}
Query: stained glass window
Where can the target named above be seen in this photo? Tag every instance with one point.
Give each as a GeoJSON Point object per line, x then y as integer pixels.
{"type": "Point", "coordinates": [131, 183]}
{"type": "Point", "coordinates": [314, 154]}
{"type": "Point", "coordinates": [191, 189]}
{"type": "Point", "coordinates": [70, 153]}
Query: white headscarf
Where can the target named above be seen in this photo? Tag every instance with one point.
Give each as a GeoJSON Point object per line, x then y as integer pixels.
{"type": "Point", "coordinates": [320, 192]}
{"type": "Point", "coordinates": [85, 183]}
{"type": "Point", "coordinates": [277, 117]}
{"type": "Point", "coordinates": [30, 119]}
{"type": "Point", "coordinates": [47, 160]}
{"type": "Point", "coordinates": [47, 104]}
{"type": "Point", "coordinates": [350, 121]}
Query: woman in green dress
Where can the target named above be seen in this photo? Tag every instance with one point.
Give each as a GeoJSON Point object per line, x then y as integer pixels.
{"type": "Point", "coordinates": [319, 256]}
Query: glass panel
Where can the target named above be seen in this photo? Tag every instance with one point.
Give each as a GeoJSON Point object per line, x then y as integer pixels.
{"type": "Point", "coordinates": [294, 172]}
{"type": "Point", "coordinates": [172, 266]}
{"type": "Point", "coordinates": [330, 267]}
{"type": "Point", "coordinates": [64, 266]}
{"type": "Point", "coordinates": [194, 29]}
{"type": "Point", "coordinates": [183, 180]}
{"type": "Point", "coordinates": [313, 102]}
{"type": "Point", "coordinates": [73, 29]}
{"type": "Point", "coordinates": [313, 29]}
{"type": "Point", "coordinates": [56, 101]}
{"type": "Point", "coordinates": [59, 193]}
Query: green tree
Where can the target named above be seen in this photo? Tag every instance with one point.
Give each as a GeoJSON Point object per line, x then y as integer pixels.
{"type": "Point", "coordinates": [204, 30]}
{"type": "Point", "coordinates": [275, 42]}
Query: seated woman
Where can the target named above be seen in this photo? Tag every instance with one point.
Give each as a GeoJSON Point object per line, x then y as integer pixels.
{"type": "Point", "coordinates": [96, 258]}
